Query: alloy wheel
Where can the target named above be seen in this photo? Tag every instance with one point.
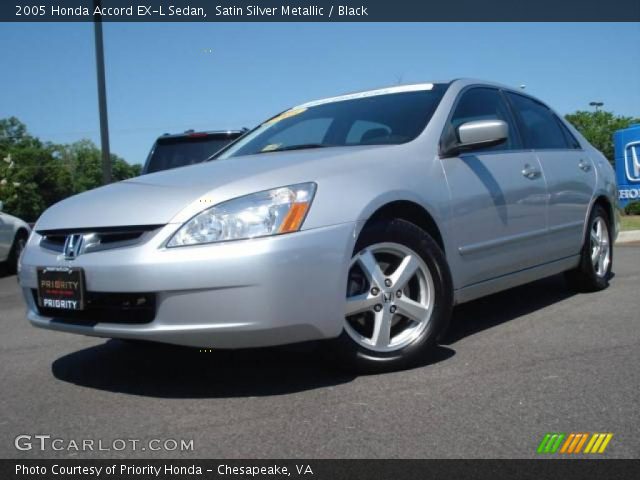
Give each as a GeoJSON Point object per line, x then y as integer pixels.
{"type": "Point", "coordinates": [390, 296]}
{"type": "Point", "coordinates": [600, 246]}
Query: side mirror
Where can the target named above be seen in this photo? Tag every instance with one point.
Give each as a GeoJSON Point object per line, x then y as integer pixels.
{"type": "Point", "coordinates": [477, 134]}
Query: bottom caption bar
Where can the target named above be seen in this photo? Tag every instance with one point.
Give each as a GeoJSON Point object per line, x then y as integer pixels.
{"type": "Point", "coordinates": [320, 469]}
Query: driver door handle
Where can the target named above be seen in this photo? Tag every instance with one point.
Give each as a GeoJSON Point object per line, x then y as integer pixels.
{"type": "Point", "coordinates": [530, 172]}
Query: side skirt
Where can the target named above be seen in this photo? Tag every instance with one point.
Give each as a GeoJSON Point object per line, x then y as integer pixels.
{"type": "Point", "coordinates": [487, 287]}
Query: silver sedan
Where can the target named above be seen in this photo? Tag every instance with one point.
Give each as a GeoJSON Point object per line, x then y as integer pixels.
{"type": "Point", "coordinates": [361, 219]}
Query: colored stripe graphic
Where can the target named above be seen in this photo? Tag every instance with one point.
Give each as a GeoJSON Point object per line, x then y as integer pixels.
{"type": "Point", "coordinates": [551, 442]}
{"type": "Point", "coordinates": [578, 439]}
{"type": "Point", "coordinates": [574, 443]}
{"type": "Point", "coordinates": [543, 443]}
{"type": "Point", "coordinates": [556, 443]}
{"type": "Point", "coordinates": [583, 439]}
{"type": "Point", "coordinates": [598, 443]}
{"type": "Point", "coordinates": [565, 447]}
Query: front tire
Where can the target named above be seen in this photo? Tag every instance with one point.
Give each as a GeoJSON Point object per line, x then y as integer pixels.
{"type": "Point", "coordinates": [399, 299]}
{"type": "Point", "coordinates": [596, 258]}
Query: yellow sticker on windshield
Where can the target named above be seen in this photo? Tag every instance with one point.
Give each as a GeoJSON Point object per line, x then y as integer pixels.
{"type": "Point", "coordinates": [270, 147]}
{"type": "Point", "coordinates": [289, 113]}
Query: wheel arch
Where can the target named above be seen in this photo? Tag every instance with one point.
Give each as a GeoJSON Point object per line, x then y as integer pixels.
{"type": "Point", "coordinates": [603, 200]}
{"type": "Point", "coordinates": [21, 231]}
{"type": "Point", "coordinates": [412, 212]}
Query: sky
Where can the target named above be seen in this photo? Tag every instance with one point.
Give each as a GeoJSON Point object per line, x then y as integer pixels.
{"type": "Point", "coordinates": [164, 77]}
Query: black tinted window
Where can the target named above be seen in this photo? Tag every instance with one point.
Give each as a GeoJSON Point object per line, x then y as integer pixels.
{"type": "Point", "coordinates": [179, 152]}
{"type": "Point", "coordinates": [307, 131]}
{"type": "Point", "coordinates": [540, 128]}
{"type": "Point", "coordinates": [569, 137]}
{"type": "Point", "coordinates": [370, 119]}
{"type": "Point", "coordinates": [484, 104]}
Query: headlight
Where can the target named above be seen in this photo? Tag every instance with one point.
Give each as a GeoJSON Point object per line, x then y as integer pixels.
{"type": "Point", "coordinates": [281, 210]}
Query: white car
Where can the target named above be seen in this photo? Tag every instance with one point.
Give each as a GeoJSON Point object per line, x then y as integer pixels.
{"type": "Point", "coordinates": [13, 238]}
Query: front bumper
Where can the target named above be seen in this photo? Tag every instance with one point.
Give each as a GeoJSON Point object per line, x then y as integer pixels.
{"type": "Point", "coordinates": [247, 293]}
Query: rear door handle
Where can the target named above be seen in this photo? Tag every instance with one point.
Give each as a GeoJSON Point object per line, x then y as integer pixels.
{"type": "Point", "coordinates": [584, 165]}
{"type": "Point", "coordinates": [530, 172]}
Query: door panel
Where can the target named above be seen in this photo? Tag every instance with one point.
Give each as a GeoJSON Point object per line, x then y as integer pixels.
{"type": "Point", "coordinates": [498, 197]}
{"type": "Point", "coordinates": [498, 213]}
{"type": "Point", "coordinates": [568, 170]}
{"type": "Point", "coordinates": [571, 179]}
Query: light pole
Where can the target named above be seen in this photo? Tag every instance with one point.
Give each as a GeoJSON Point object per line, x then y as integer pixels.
{"type": "Point", "coordinates": [102, 96]}
{"type": "Point", "coordinates": [597, 105]}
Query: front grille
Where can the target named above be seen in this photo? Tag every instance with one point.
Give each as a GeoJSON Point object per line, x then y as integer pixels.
{"type": "Point", "coordinates": [106, 307]}
{"type": "Point", "coordinates": [103, 238]}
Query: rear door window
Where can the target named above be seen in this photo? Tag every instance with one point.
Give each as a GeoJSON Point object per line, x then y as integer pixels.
{"type": "Point", "coordinates": [540, 128]}
{"type": "Point", "coordinates": [571, 140]}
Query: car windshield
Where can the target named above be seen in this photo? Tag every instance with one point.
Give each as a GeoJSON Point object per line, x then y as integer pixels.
{"type": "Point", "coordinates": [175, 152]}
{"type": "Point", "coordinates": [380, 117]}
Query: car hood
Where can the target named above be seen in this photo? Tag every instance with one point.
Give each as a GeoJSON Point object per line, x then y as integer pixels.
{"type": "Point", "coordinates": [173, 196]}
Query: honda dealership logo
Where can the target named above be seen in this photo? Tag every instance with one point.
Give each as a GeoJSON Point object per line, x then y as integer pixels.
{"type": "Point", "coordinates": [632, 161]}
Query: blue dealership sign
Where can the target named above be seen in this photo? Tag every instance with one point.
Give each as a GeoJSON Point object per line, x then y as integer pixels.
{"type": "Point", "coordinates": [627, 157]}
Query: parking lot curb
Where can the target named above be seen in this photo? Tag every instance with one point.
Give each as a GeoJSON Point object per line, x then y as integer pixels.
{"type": "Point", "coordinates": [629, 236]}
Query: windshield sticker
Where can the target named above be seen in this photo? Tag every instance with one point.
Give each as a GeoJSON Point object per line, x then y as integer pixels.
{"type": "Point", "coordinates": [289, 113]}
{"type": "Point", "coordinates": [270, 147]}
{"type": "Point", "coordinates": [370, 93]}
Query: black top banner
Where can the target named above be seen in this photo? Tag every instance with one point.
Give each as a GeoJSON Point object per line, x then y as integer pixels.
{"type": "Point", "coordinates": [319, 10]}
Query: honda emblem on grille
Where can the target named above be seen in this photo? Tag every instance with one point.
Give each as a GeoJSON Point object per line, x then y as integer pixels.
{"type": "Point", "coordinates": [72, 246]}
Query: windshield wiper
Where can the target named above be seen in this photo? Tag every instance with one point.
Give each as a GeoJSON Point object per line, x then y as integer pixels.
{"type": "Point", "coordinates": [302, 146]}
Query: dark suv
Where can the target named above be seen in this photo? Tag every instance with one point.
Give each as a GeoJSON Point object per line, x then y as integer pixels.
{"type": "Point", "coordinates": [188, 148]}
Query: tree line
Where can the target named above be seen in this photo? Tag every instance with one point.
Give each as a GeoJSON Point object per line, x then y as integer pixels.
{"type": "Point", "coordinates": [35, 174]}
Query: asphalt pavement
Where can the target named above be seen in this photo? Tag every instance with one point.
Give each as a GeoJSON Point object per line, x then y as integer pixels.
{"type": "Point", "coordinates": [513, 367]}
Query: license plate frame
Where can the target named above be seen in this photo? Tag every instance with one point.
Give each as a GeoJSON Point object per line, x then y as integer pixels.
{"type": "Point", "coordinates": [61, 288]}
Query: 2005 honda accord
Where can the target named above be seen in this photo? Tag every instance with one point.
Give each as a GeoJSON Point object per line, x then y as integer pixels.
{"type": "Point", "coordinates": [360, 219]}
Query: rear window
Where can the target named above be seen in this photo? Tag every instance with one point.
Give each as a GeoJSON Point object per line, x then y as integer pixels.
{"type": "Point", "coordinates": [175, 152]}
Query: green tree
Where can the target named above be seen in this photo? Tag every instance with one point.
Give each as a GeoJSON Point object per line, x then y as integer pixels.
{"type": "Point", "coordinates": [35, 175]}
{"type": "Point", "coordinates": [598, 127]}
{"type": "Point", "coordinates": [30, 178]}
{"type": "Point", "coordinates": [84, 162]}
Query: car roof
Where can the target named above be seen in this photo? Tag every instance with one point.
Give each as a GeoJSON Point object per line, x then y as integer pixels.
{"type": "Point", "coordinates": [411, 87]}
{"type": "Point", "coordinates": [208, 133]}
{"type": "Point", "coordinates": [408, 87]}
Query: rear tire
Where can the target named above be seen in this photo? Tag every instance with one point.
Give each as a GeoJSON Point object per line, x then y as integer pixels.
{"type": "Point", "coordinates": [19, 242]}
{"type": "Point", "coordinates": [398, 278]}
{"type": "Point", "coordinates": [596, 257]}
